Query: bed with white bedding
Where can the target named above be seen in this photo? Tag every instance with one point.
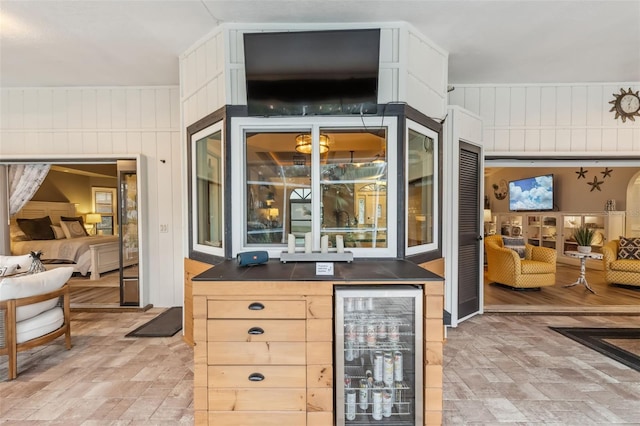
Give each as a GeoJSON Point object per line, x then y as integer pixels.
{"type": "Point", "coordinates": [93, 254]}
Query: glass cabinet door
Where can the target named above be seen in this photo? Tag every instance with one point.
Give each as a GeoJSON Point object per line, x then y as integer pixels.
{"type": "Point", "coordinates": [572, 222]}
{"type": "Point", "coordinates": [541, 230]}
{"type": "Point", "coordinates": [596, 222]}
{"type": "Point", "coordinates": [379, 355]}
{"type": "Point", "coordinates": [548, 231]}
{"type": "Point", "coordinates": [510, 225]}
{"type": "Point", "coordinates": [533, 229]}
{"type": "Point", "coordinates": [569, 225]}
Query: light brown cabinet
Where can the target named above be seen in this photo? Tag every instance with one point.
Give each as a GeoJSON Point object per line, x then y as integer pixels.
{"type": "Point", "coordinates": [263, 352]}
{"type": "Point", "coordinates": [267, 361]}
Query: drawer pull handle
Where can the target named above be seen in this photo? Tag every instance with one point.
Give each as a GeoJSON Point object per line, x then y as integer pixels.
{"type": "Point", "coordinates": [256, 306]}
{"type": "Point", "coordinates": [256, 377]}
{"type": "Point", "coordinates": [256, 330]}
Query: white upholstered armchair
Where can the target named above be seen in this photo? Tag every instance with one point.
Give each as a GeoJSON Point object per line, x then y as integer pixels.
{"type": "Point", "coordinates": [34, 310]}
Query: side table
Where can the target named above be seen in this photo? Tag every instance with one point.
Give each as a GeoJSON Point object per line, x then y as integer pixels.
{"type": "Point", "coordinates": [583, 259]}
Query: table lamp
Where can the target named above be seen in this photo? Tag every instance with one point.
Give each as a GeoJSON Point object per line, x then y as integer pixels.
{"type": "Point", "coordinates": [93, 219]}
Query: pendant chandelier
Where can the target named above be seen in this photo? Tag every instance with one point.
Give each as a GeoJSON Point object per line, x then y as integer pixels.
{"type": "Point", "coordinates": [303, 143]}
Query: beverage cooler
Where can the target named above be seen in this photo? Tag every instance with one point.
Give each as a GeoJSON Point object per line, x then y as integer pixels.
{"type": "Point", "coordinates": [379, 355]}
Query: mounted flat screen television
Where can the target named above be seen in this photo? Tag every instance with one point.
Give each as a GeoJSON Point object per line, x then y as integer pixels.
{"type": "Point", "coordinates": [312, 72]}
{"type": "Point", "coordinates": [532, 194]}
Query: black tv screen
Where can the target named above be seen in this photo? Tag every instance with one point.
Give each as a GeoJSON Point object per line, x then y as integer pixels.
{"type": "Point", "coordinates": [531, 194]}
{"type": "Point", "coordinates": [312, 72]}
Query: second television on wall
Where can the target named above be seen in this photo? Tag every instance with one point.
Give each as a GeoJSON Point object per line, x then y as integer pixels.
{"type": "Point", "coordinates": [532, 194]}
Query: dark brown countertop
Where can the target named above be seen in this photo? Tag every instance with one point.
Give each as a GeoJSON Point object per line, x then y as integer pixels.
{"type": "Point", "coordinates": [358, 270]}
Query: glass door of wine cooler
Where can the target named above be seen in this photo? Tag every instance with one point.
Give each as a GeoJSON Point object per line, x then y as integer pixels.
{"type": "Point", "coordinates": [379, 355]}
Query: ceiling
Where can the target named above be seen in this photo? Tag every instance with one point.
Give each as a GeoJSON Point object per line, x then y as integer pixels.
{"type": "Point", "coordinates": [123, 43]}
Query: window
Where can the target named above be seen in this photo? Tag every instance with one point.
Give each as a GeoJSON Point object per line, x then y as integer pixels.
{"type": "Point", "coordinates": [353, 185]}
{"type": "Point", "coordinates": [421, 189]}
{"type": "Point", "coordinates": [104, 204]}
{"type": "Point", "coordinates": [327, 176]}
{"type": "Point", "coordinates": [207, 190]}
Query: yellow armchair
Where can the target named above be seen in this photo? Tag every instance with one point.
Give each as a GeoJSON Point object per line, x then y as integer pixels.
{"type": "Point", "coordinates": [619, 271]}
{"type": "Point", "coordinates": [504, 266]}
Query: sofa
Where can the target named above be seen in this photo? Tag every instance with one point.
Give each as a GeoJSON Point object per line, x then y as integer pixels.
{"type": "Point", "coordinates": [34, 310]}
{"type": "Point", "coordinates": [535, 269]}
{"type": "Point", "coordinates": [621, 266]}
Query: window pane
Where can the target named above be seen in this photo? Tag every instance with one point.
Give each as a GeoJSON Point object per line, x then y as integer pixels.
{"type": "Point", "coordinates": [278, 182]}
{"type": "Point", "coordinates": [420, 202]}
{"type": "Point", "coordinates": [353, 179]}
{"type": "Point", "coordinates": [208, 185]}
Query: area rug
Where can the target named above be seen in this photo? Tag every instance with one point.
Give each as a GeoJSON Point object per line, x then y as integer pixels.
{"type": "Point", "coordinates": [166, 324]}
{"type": "Point", "coordinates": [621, 344]}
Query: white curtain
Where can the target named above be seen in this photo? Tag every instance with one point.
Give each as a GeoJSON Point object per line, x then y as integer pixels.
{"type": "Point", "coordinates": [24, 181]}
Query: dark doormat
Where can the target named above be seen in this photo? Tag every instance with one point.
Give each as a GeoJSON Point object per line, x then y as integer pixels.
{"type": "Point", "coordinates": [166, 324]}
{"type": "Point", "coordinates": [621, 344]}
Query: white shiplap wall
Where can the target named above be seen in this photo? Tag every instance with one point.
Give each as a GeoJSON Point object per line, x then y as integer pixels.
{"type": "Point", "coordinates": [102, 122]}
{"type": "Point", "coordinates": [203, 88]}
{"type": "Point", "coordinates": [425, 75]}
{"type": "Point", "coordinates": [566, 119]}
{"type": "Point", "coordinates": [412, 68]}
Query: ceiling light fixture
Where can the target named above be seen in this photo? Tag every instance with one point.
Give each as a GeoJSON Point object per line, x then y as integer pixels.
{"type": "Point", "coordinates": [303, 143]}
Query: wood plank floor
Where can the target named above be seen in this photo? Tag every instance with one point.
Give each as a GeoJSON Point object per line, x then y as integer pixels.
{"type": "Point", "coordinates": [101, 294]}
{"type": "Point", "coordinates": [558, 299]}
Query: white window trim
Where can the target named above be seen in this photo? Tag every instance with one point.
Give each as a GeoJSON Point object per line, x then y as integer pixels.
{"type": "Point", "coordinates": [216, 127]}
{"type": "Point", "coordinates": [241, 125]}
{"type": "Point", "coordinates": [423, 248]}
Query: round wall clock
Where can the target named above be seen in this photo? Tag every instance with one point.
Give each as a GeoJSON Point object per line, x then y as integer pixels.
{"type": "Point", "coordinates": [626, 105]}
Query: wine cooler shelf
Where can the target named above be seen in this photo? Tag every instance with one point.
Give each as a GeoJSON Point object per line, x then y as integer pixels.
{"type": "Point", "coordinates": [375, 332]}
{"type": "Point", "coordinates": [367, 399]}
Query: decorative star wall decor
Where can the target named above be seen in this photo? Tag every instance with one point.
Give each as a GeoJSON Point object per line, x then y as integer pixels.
{"type": "Point", "coordinates": [595, 184]}
{"type": "Point", "coordinates": [582, 173]}
{"type": "Point", "coordinates": [606, 173]}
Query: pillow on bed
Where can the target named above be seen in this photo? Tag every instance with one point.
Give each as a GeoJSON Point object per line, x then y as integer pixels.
{"type": "Point", "coordinates": [37, 229]}
{"type": "Point", "coordinates": [75, 219]}
{"type": "Point", "coordinates": [16, 233]}
{"type": "Point", "coordinates": [58, 232]}
{"type": "Point", "coordinates": [72, 229]}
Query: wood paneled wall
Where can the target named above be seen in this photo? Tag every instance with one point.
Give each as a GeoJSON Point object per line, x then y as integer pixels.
{"type": "Point", "coordinates": [541, 119]}
{"type": "Point", "coordinates": [412, 68]}
{"type": "Point", "coordinates": [99, 122]}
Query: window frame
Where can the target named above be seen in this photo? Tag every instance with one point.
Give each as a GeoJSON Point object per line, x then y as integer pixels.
{"type": "Point", "coordinates": [215, 127]}
{"type": "Point", "coordinates": [434, 245]}
{"type": "Point", "coordinates": [239, 126]}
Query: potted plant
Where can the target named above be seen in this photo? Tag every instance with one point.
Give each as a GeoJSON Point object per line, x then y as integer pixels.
{"type": "Point", "coordinates": [584, 236]}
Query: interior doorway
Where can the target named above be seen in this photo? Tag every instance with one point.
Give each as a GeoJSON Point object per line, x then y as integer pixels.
{"type": "Point", "coordinates": [584, 186]}
{"type": "Point", "coordinates": [88, 190]}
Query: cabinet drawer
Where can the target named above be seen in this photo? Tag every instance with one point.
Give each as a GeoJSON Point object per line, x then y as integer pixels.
{"type": "Point", "coordinates": [256, 330]}
{"type": "Point", "coordinates": [267, 399]}
{"type": "Point", "coordinates": [231, 376]}
{"type": "Point", "coordinates": [268, 353]}
{"type": "Point", "coordinates": [262, 418]}
{"type": "Point", "coordinates": [276, 309]}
